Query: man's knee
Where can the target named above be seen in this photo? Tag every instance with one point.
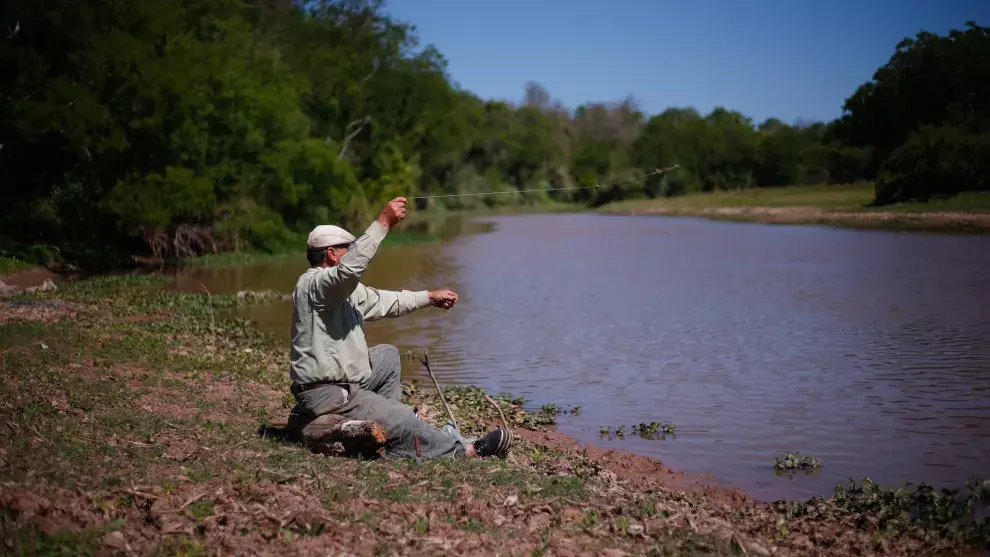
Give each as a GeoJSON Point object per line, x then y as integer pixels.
{"type": "Point", "coordinates": [385, 356]}
{"type": "Point", "coordinates": [385, 351]}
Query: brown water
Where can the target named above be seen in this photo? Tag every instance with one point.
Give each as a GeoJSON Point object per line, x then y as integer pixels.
{"type": "Point", "coordinates": [868, 349]}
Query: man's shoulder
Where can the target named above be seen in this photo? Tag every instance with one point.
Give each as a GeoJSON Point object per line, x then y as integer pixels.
{"type": "Point", "coordinates": [307, 277]}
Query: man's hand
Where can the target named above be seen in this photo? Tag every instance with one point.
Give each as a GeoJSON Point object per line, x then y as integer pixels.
{"type": "Point", "coordinates": [444, 299]}
{"type": "Point", "coordinates": [393, 212]}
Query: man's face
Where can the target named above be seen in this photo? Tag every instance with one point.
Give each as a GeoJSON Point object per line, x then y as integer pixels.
{"type": "Point", "coordinates": [334, 253]}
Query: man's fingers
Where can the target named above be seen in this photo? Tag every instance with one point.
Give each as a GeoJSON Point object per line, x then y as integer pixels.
{"type": "Point", "coordinates": [443, 298]}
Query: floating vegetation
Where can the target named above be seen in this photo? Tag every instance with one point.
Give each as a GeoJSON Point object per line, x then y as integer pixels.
{"type": "Point", "coordinates": [651, 430]}
{"type": "Point", "coordinates": [653, 427]}
{"type": "Point", "coordinates": [262, 296]}
{"type": "Point", "coordinates": [796, 461]}
{"type": "Point", "coordinates": [925, 513]}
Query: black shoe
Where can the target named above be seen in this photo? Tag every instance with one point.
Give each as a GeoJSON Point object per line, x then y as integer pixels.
{"type": "Point", "coordinates": [495, 443]}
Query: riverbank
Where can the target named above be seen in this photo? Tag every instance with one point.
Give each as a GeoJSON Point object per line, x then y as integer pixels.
{"type": "Point", "coordinates": [17, 275]}
{"type": "Point", "coordinates": [843, 206]}
{"type": "Point", "coordinates": [136, 421]}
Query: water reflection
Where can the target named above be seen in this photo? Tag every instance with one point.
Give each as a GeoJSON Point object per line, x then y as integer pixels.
{"type": "Point", "coordinates": [867, 349]}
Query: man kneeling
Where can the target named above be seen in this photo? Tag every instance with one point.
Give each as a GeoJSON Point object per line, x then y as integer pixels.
{"type": "Point", "coordinates": [332, 369]}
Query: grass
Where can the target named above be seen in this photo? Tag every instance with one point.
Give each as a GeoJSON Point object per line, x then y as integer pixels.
{"type": "Point", "coordinates": [855, 197]}
{"type": "Point", "coordinates": [11, 265]}
{"type": "Point", "coordinates": [850, 197]}
{"type": "Point", "coordinates": [843, 205]}
{"type": "Point", "coordinates": [978, 201]}
{"type": "Point", "coordinates": [134, 416]}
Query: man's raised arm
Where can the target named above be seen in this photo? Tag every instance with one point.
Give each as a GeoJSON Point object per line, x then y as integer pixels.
{"type": "Point", "coordinates": [336, 282]}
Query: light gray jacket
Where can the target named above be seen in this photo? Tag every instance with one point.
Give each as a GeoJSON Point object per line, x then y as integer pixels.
{"type": "Point", "coordinates": [330, 306]}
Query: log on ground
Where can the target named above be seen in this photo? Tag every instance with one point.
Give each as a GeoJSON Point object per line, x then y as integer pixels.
{"type": "Point", "coordinates": [335, 435]}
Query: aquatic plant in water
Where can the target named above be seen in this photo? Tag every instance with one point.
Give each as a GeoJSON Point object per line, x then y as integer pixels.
{"type": "Point", "coordinates": [651, 430]}
{"type": "Point", "coordinates": [796, 461]}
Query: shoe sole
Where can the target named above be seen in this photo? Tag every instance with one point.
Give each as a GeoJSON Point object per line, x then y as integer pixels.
{"type": "Point", "coordinates": [504, 443]}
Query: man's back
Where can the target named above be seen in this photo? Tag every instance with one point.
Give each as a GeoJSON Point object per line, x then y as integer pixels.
{"type": "Point", "coordinates": [328, 342]}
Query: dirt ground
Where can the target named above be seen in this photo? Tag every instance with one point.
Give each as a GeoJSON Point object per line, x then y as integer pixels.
{"type": "Point", "coordinates": [136, 422]}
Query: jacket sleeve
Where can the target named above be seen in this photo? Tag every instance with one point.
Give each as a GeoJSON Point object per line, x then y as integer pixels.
{"type": "Point", "coordinates": [375, 304]}
{"type": "Point", "coordinates": [335, 284]}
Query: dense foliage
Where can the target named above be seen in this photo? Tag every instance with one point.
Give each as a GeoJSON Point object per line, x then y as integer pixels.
{"type": "Point", "coordinates": [171, 127]}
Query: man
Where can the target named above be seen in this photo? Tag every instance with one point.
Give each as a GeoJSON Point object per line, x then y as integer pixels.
{"type": "Point", "coordinates": [332, 369]}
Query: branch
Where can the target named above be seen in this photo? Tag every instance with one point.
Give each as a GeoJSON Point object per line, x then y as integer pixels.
{"type": "Point", "coordinates": [374, 68]}
{"type": "Point", "coordinates": [425, 360]}
{"type": "Point", "coordinates": [353, 132]}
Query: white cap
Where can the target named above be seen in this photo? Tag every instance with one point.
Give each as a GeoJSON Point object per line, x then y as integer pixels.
{"type": "Point", "coordinates": [327, 235]}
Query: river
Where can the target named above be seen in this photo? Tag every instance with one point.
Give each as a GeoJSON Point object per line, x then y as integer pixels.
{"type": "Point", "coordinates": [867, 349]}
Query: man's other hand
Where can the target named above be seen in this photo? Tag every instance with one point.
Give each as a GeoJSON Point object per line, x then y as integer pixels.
{"type": "Point", "coordinates": [444, 299]}
{"type": "Point", "coordinates": [393, 212]}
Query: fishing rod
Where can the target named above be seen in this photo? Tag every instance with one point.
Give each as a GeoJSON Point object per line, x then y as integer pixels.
{"type": "Point", "coordinates": [596, 186]}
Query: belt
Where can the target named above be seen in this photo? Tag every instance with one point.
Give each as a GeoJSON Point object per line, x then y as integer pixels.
{"type": "Point", "coordinates": [301, 387]}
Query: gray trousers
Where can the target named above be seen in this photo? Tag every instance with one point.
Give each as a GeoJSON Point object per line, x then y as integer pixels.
{"type": "Point", "coordinates": [378, 400]}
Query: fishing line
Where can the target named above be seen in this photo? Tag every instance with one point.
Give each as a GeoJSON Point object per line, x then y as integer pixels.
{"type": "Point", "coordinates": [449, 195]}
{"type": "Point", "coordinates": [596, 186]}
{"type": "Point", "coordinates": [442, 333]}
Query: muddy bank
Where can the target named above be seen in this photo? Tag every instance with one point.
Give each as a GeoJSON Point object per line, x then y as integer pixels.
{"type": "Point", "coordinates": [934, 221]}
{"type": "Point", "coordinates": [32, 280]}
{"type": "Point", "coordinates": [137, 422]}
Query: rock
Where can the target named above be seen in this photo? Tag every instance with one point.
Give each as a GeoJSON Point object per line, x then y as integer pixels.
{"type": "Point", "coordinates": [115, 540]}
{"type": "Point", "coordinates": [46, 286]}
{"type": "Point", "coordinates": [511, 500]}
{"type": "Point", "coordinates": [9, 290]}
{"type": "Point", "coordinates": [635, 529]}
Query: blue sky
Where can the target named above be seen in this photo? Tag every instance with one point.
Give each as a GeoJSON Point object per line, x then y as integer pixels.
{"type": "Point", "coordinates": [788, 59]}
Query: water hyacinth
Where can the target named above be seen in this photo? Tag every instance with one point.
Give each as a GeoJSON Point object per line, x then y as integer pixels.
{"type": "Point", "coordinates": [651, 430]}
{"type": "Point", "coordinates": [796, 461]}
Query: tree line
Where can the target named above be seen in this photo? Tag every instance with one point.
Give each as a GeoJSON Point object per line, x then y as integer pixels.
{"type": "Point", "coordinates": [175, 127]}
